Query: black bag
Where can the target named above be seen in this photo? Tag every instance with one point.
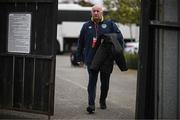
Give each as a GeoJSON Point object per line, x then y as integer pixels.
{"type": "Point", "coordinates": [109, 43]}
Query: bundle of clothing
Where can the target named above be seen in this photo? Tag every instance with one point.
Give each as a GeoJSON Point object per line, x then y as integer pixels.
{"type": "Point", "coordinates": [108, 46]}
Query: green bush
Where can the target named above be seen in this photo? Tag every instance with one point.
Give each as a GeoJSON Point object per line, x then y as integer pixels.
{"type": "Point", "coordinates": [131, 60]}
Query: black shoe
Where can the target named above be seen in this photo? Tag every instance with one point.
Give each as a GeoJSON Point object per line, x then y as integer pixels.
{"type": "Point", "coordinates": [91, 109]}
{"type": "Point", "coordinates": [103, 105]}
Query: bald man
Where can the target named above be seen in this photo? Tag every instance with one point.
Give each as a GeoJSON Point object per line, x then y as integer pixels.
{"type": "Point", "coordinates": [97, 13]}
{"type": "Point", "coordinates": [87, 46]}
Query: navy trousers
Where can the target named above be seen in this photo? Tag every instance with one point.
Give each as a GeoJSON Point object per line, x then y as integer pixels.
{"type": "Point", "coordinates": [104, 78]}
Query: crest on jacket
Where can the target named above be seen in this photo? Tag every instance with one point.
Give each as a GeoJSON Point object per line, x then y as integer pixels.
{"type": "Point", "coordinates": [90, 27]}
{"type": "Point", "coordinates": [104, 26]}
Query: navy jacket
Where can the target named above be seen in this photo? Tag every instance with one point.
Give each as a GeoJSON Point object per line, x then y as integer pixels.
{"type": "Point", "coordinates": [90, 30]}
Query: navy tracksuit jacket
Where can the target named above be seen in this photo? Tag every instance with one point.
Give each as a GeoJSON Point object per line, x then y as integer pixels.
{"type": "Point", "coordinates": [85, 52]}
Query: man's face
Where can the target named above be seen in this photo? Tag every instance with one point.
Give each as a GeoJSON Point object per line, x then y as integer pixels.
{"type": "Point", "coordinates": [96, 13]}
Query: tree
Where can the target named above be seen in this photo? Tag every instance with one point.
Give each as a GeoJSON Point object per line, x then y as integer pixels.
{"type": "Point", "coordinates": [85, 4]}
{"type": "Point", "coordinates": [124, 11]}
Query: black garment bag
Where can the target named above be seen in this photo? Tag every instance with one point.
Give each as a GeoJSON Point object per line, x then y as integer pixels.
{"type": "Point", "coordinates": [107, 46]}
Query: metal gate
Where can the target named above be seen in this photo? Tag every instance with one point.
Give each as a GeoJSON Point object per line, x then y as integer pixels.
{"type": "Point", "coordinates": [27, 55]}
{"type": "Point", "coordinates": [158, 83]}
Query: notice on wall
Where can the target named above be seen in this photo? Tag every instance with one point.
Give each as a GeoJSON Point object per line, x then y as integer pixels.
{"type": "Point", "coordinates": [19, 32]}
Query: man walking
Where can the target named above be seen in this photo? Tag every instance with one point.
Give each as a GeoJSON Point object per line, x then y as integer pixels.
{"type": "Point", "coordinates": [89, 34]}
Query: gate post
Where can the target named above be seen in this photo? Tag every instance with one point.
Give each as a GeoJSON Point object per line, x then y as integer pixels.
{"type": "Point", "coordinates": [159, 67]}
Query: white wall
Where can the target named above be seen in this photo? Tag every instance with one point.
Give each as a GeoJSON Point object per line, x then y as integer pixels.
{"type": "Point", "coordinates": [71, 29]}
{"type": "Point", "coordinates": [125, 30]}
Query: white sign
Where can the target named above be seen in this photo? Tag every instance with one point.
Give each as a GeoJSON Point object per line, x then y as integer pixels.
{"type": "Point", "coordinates": [19, 32]}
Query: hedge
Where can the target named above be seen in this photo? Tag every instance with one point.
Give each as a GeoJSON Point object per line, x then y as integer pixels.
{"type": "Point", "coordinates": [132, 60]}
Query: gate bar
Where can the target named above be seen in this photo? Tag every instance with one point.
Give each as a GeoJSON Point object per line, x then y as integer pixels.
{"type": "Point", "coordinates": [165, 25]}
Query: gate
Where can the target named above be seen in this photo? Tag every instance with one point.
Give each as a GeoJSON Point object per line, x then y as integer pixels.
{"type": "Point", "coordinates": [27, 55]}
{"type": "Point", "coordinates": [158, 86]}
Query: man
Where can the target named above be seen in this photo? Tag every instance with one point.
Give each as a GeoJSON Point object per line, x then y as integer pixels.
{"type": "Point", "coordinates": [89, 34]}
